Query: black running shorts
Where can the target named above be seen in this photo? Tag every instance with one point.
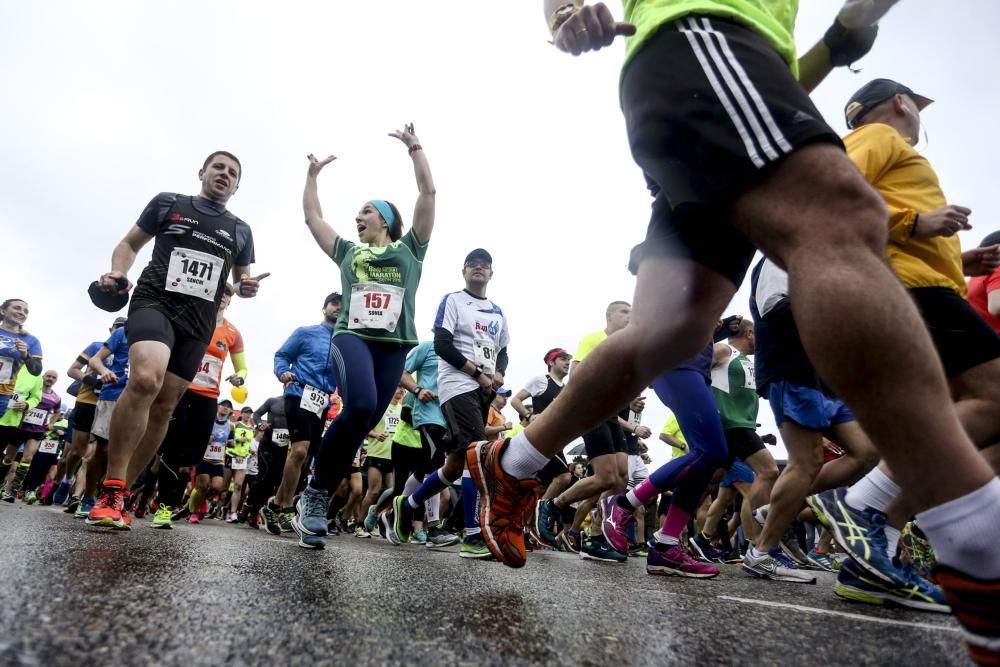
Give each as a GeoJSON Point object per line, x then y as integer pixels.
{"type": "Point", "coordinates": [83, 417]}
{"type": "Point", "coordinates": [742, 443]}
{"type": "Point", "coordinates": [608, 438]}
{"type": "Point", "coordinates": [709, 107]}
{"type": "Point", "coordinates": [556, 466]}
{"type": "Point", "coordinates": [962, 337]}
{"type": "Point", "coordinates": [189, 430]}
{"type": "Point", "coordinates": [303, 426]}
{"type": "Point", "coordinates": [466, 415]}
{"type": "Point", "coordinates": [384, 466]}
{"type": "Point", "coordinates": [186, 351]}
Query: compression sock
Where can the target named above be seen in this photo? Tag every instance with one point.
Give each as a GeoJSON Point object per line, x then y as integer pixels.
{"type": "Point", "coordinates": [432, 485]}
{"type": "Point", "coordinates": [521, 459]}
{"type": "Point", "coordinates": [470, 505]}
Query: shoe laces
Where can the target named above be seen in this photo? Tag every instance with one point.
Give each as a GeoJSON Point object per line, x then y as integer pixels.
{"type": "Point", "coordinates": [876, 532]}
{"type": "Point", "coordinates": [784, 560]}
{"type": "Point", "coordinates": [315, 504]}
{"type": "Point", "coordinates": [913, 578]}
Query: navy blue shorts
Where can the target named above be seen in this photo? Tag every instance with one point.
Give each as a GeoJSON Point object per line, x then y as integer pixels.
{"type": "Point", "coordinates": [738, 472]}
{"type": "Point", "coordinates": [809, 408]}
{"type": "Point", "coordinates": [209, 468]}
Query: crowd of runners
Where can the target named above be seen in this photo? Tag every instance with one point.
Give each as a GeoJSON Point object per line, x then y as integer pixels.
{"type": "Point", "coordinates": [878, 358]}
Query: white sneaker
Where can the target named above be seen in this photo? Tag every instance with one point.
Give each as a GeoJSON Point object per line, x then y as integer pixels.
{"type": "Point", "coordinates": [776, 566]}
{"type": "Point", "coordinates": [231, 517]}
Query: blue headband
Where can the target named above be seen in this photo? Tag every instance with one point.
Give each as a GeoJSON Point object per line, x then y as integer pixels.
{"type": "Point", "coordinates": [385, 211]}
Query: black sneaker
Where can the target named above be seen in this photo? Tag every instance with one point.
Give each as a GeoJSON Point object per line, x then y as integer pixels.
{"type": "Point", "coordinates": [547, 521]}
{"type": "Point", "coordinates": [268, 517]}
{"type": "Point", "coordinates": [598, 548]}
{"type": "Point", "coordinates": [71, 506]}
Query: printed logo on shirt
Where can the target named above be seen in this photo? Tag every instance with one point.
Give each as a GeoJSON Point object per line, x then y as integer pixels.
{"type": "Point", "coordinates": [224, 234]}
{"type": "Point", "coordinates": [177, 217]}
{"type": "Point", "coordinates": [221, 344]}
{"type": "Point", "coordinates": [490, 328]}
{"type": "Point", "coordinates": [176, 228]}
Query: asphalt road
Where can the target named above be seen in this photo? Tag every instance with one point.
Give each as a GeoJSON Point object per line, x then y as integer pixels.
{"type": "Point", "coordinates": [226, 595]}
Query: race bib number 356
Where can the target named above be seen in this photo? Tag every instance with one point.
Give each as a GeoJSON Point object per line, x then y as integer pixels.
{"type": "Point", "coordinates": [375, 306]}
{"type": "Point", "coordinates": [194, 273]}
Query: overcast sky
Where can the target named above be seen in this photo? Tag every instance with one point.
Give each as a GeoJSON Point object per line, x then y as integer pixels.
{"type": "Point", "coordinates": [107, 104]}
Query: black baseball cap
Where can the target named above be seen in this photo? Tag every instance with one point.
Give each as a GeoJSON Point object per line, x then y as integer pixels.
{"type": "Point", "coordinates": [111, 301]}
{"type": "Point", "coordinates": [332, 297]}
{"type": "Point", "coordinates": [874, 93]}
{"type": "Point", "coordinates": [479, 253]}
{"type": "Point", "coordinates": [226, 402]}
{"type": "Point", "coordinates": [119, 322]}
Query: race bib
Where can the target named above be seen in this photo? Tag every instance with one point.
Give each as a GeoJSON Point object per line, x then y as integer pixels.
{"type": "Point", "coordinates": [209, 372]}
{"type": "Point", "coordinates": [35, 417]}
{"type": "Point", "coordinates": [750, 381]}
{"type": "Point", "coordinates": [238, 463]}
{"type": "Point", "coordinates": [281, 437]}
{"type": "Point", "coordinates": [391, 423]}
{"type": "Point", "coordinates": [314, 400]}
{"type": "Point", "coordinates": [48, 447]}
{"type": "Point", "coordinates": [6, 369]}
{"type": "Point", "coordinates": [252, 467]}
{"type": "Point", "coordinates": [634, 418]}
{"type": "Point", "coordinates": [194, 273]}
{"type": "Point", "coordinates": [216, 452]}
{"type": "Point", "coordinates": [375, 306]}
{"type": "Point", "coordinates": [357, 458]}
{"type": "Point", "coordinates": [486, 355]}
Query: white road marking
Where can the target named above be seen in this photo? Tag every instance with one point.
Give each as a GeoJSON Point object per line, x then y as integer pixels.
{"type": "Point", "coordinates": [842, 614]}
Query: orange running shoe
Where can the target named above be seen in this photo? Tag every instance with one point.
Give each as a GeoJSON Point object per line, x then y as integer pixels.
{"type": "Point", "coordinates": [976, 605]}
{"type": "Point", "coordinates": [107, 511]}
{"type": "Point", "coordinates": [504, 502]}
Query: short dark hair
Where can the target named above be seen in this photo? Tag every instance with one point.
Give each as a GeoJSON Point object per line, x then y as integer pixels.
{"type": "Point", "coordinates": [333, 297]}
{"type": "Point", "coordinates": [229, 155]}
{"type": "Point", "coordinates": [611, 306]}
{"type": "Point", "coordinates": [992, 238]}
{"type": "Point", "coordinates": [746, 326]}
{"type": "Point", "coordinates": [395, 230]}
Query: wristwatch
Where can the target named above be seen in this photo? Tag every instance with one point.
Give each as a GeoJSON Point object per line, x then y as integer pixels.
{"type": "Point", "coordinates": [416, 391]}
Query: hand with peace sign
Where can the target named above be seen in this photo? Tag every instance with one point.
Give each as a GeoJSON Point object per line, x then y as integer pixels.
{"type": "Point", "coordinates": [316, 165]}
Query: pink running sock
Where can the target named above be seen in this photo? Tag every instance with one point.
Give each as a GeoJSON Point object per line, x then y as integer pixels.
{"type": "Point", "coordinates": [642, 494]}
{"type": "Point", "coordinates": [675, 522]}
{"type": "Point", "coordinates": [46, 488]}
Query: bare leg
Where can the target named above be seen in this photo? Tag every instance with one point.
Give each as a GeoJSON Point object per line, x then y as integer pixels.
{"type": "Point", "coordinates": [860, 457]}
{"type": "Point", "coordinates": [559, 484]}
{"type": "Point", "coordinates": [234, 499]}
{"type": "Point", "coordinates": [156, 427]}
{"type": "Point", "coordinates": [805, 458]}
{"type": "Point", "coordinates": [297, 452]}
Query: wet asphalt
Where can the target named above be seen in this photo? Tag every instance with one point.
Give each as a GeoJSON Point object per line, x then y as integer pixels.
{"type": "Point", "coordinates": [216, 594]}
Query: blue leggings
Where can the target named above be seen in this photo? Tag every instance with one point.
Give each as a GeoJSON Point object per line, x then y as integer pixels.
{"type": "Point", "coordinates": [687, 394]}
{"type": "Point", "coordinates": [367, 374]}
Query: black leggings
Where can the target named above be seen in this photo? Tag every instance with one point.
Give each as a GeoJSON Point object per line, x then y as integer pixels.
{"type": "Point", "coordinates": [40, 465]}
{"type": "Point", "coordinates": [270, 466]}
{"type": "Point", "coordinates": [184, 445]}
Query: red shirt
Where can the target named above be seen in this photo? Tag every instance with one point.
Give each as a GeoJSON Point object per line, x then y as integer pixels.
{"type": "Point", "coordinates": [979, 296]}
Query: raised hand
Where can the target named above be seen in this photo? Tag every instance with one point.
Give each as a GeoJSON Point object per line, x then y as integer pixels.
{"type": "Point", "coordinates": [857, 14]}
{"type": "Point", "coordinates": [406, 135]}
{"type": "Point", "coordinates": [316, 165]}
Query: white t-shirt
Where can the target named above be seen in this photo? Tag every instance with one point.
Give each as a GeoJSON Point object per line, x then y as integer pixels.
{"type": "Point", "coordinates": [772, 287]}
{"type": "Point", "coordinates": [537, 385]}
{"type": "Point", "coordinates": [480, 331]}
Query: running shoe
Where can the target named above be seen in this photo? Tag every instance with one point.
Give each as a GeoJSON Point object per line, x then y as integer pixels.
{"type": "Point", "coordinates": [194, 517]}
{"type": "Point", "coordinates": [474, 546]}
{"type": "Point", "coordinates": [911, 590]}
{"type": "Point", "coordinates": [30, 498]}
{"type": "Point", "coordinates": [9, 494]}
{"type": "Point", "coordinates": [976, 605]}
{"type": "Point", "coordinates": [821, 559]}
{"type": "Point", "coordinates": [332, 527]}
{"type": "Point", "coordinates": [62, 492]}
{"type": "Point", "coordinates": [860, 534]}
{"type": "Point", "coordinates": [310, 518]}
{"type": "Point", "coordinates": [570, 541]}
{"type": "Point", "coordinates": [790, 545]}
{"type": "Point", "coordinates": [285, 519]}
{"type": "Point", "coordinates": [361, 532]}
{"type": "Point", "coordinates": [673, 560]}
{"type": "Point", "coordinates": [615, 522]}
{"type": "Point", "coordinates": [504, 502]}
{"type": "Point", "coordinates": [83, 508]}
{"type": "Point", "coordinates": [388, 521]}
{"type": "Point", "coordinates": [183, 512]}
{"type": "Point", "coordinates": [599, 548]}
{"type": "Point", "coordinates": [370, 520]}
{"type": "Point", "coordinates": [775, 565]}
{"type": "Point", "coordinates": [640, 550]}
{"type": "Point", "coordinates": [140, 511]}
{"type": "Point", "coordinates": [705, 550]}
{"type": "Point", "coordinates": [107, 511]}
{"type": "Point", "coordinates": [419, 537]}
{"type": "Point", "coordinates": [439, 537]}
{"type": "Point", "coordinates": [72, 504]}
{"type": "Point", "coordinates": [402, 519]}
{"type": "Point", "coordinates": [126, 523]}
{"type": "Point", "coordinates": [547, 521]}
{"type": "Point", "coordinates": [163, 518]}
{"type": "Point", "coordinates": [232, 518]}
{"type": "Point", "coordinates": [914, 549]}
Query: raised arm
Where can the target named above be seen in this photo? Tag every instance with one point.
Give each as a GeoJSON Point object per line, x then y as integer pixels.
{"type": "Point", "coordinates": [321, 230]}
{"type": "Point", "coordinates": [423, 211]}
{"type": "Point", "coordinates": [849, 39]}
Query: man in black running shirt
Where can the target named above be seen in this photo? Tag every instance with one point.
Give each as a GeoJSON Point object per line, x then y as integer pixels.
{"type": "Point", "coordinates": [198, 244]}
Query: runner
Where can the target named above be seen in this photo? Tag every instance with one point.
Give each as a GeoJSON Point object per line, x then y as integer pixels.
{"type": "Point", "coordinates": [787, 187]}
{"type": "Point", "coordinates": [984, 290]}
{"type": "Point", "coordinates": [471, 334]}
{"type": "Point", "coordinates": [23, 404]}
{"type": "Point", "coordinates": [304, 365]}
{"type": "Point", "coordinates": [635, 434]}
{"type": "Point", "coordinates": [377, 327]}
{"type": "Point", "coordinates": [82, 449]}
{"type": "Point", "coordinates": [237, 455]}
{"type": "Point", "coordinates": [198, 243]}
{"type": "Point", "coordinates": [211, 470]}
{"type": "Point", "coordinates": [496, 423]}
{"type": "Point", "coordinates": [43, 464]}
{"type": "Point", "coordinates": [18, 349]}
{"type": "Point", "coordinates": [191, 424]}
{"type": "Point", "coordinates": [379, 460]}
{"type": "Point", "coordinates": [925, 254]}
{"type": "Point", "coordinates": [114, 378]}
{"type": "Point", "coordinates": [270, 456]}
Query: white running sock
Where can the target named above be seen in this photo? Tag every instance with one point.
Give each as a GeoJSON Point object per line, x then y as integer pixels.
{"type": "Point", "coordinates": [411, 485]}
{"type": "Point", "coordinates": [873, 491]}
{"type": "Point", "coordinates": [964, 531]}
{"type": "Point", "coordinates": [521, 459]}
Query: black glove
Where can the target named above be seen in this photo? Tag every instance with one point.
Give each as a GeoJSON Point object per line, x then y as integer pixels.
{"type": "Point", "coordinates": [848, 46]}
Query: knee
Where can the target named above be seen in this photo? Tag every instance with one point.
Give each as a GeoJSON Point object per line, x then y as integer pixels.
{"type": "Point", "coordinates": [767, 474]}
{"type": "Point", "coordinates": [144, 382]}
{"type": "Point", "coordinates": [685, 334]}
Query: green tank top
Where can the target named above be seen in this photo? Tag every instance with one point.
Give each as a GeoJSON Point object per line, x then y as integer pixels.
{"type": "Point", "coordinates": [736, 391]}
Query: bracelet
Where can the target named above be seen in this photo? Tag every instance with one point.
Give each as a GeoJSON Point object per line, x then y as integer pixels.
{"type": "Point", "coordinates": [561, 15]}
{"type": "Point", "coordinates": [913, 229]}
{"type": "Point", "coordinates": [415, 147]}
